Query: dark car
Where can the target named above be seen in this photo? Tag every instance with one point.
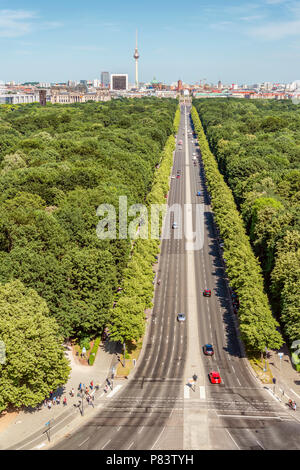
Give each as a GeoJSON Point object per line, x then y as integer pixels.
{"type": "Point", "coordinates": [208, 349]}
{"type": "Point", "coordinates": [181, 317]}
{"type": "Point", "coordinates": [207, 293]}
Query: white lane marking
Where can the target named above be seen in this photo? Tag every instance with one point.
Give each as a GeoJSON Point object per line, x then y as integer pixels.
{"type": "Point", "coordinates": [158, 438]}
{"type": "Point", "coordinates": [115, 390]}
{"type": "Point", "coordinates": [202, 392]}
{"type": "Point", "coordinates": [83, 442]}
{"type": "Point", "coordinates": [272, 395]}
{"type": "Point", "coordinates": [250, 417]}
{"type": "Point", "coordinates": [260, 444]}
{"type": "Point", "coordinates": [52, 427]}
{"type": "Point", "coordinates": [40, 445]}
{"type": "Point", "coordinates": [294, 392]}
{"type": "Point", "coordinates": [106, 444]}
{"type": "Point", "coordinates": [130, 445]}
{"type": "Point", "coordinates": [140, 430]}
{"type": "Point", "coordinates": [233, 439]}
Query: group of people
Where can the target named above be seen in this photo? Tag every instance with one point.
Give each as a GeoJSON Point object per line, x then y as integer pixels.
{"type": "Point", "coordinates": [85, 391]}
{"type": "Point", "coordinates": [54, 400]}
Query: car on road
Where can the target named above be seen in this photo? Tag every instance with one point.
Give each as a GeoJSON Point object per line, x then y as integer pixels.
{"type": "Point", "coordinates": [208, 349]}
{"type": "Point", "coordinates": [215, 377]}
{"type": "Point", "coordinates": [174, 225]}
{"type": "Point", "coordinates": [181, 317]}
{"type": "Point", "coordinates": [178, 175]}
{"type": "Point", "coordinates": [207, 293]}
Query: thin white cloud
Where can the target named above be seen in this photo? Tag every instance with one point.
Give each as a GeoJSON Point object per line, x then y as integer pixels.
{"type": "Point", "coordinates": [276, 31]}
{"type": "Point", "coordinates": [14, 23]}
{"type": "Point", "coordinates": [252, 18]}
{"type": "Point", "coordinates": [89, 48]}
{"type": "Point", "coordinates": [275, 2]}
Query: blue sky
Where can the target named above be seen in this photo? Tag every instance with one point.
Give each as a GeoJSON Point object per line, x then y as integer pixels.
{"type": "Point", "coordinates": [235, 41]}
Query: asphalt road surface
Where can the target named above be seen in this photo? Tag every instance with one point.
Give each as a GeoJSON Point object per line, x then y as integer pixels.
{"type": "Point", "coordinates": [160, 408]}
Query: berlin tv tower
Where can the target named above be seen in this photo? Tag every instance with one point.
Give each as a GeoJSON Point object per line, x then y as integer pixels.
{"type": "Point", "coordinates": [136, 57]}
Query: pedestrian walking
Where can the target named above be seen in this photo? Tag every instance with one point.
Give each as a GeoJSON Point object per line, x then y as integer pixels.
{"type": "Point", "coordinates": [58, 401]}
{"type": "Point", "coordinates": [45, 402]}
{"type": "Point", "coordinates": [51, 393]}
{"type": "Point", "coordinates": [54, 400]}
{"type": "Point", "coordinates": [72, 392]}
{"type": "Point", "coordinates": [80, 386]}
{"type": "Point", "coordinates": [106, 388]}
{"type": "Point", "coordinates": [86, 390]}
{"type": "Point", "coordinates": [97, 386]}
{"type": "Point", "coordinates": [88, 398]}
{"type": "Point", "coordinates": [65, 401]}
{"type": "Point", "coordinates": [49, 404]}
{"type": "Point", "coordinates": [92, 385]}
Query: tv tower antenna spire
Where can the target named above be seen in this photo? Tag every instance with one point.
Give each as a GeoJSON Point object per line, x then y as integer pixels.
{"type": "Point", "coordinates": [136, 57]}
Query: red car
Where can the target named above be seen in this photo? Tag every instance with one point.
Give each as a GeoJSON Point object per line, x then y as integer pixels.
{"type": "Point", "coordinates": [215, 377]}
{"type": "Point", "coordinates": [207, 293]}
{"type": "Point", "coordinates": [178, 176]}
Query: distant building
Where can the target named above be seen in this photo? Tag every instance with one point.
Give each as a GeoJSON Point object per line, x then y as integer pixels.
{"type": "Point", "coordinates": [65, 97]}
{"type": "Point", "coordinates": [219, 85]}
{"type": "Point", "coordinates": [105, 80]}
{"type": "Point", "coordinates": [19, 98]}
{"type": "Point", "coordinates": [43, 97]}
{"type": "Point", "coordinates": [118, 82]}
{"type": "Point", "coordinates": [96, 83]}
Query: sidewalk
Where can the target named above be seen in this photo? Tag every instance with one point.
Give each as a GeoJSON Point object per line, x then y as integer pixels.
{"type": "Point", "coordinates": [287, 385]}
{"type": "Point", "coordinates": [17, 427]}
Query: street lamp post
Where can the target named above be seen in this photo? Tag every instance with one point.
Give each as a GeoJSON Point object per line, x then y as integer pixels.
{"type": "Point", "coordinates": [81, 395]}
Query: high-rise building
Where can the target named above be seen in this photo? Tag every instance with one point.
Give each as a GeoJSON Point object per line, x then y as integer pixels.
{"type": "Point", "coordinates": [105, 79]}
{"type": "Point", "coordinates": [118, 82]}
{"type": "Point", "coordinates": [136, 56]}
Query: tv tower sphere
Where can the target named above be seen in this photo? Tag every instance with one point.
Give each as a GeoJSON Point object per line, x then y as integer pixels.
{"type": "Point", "coordinates": [136, 56]}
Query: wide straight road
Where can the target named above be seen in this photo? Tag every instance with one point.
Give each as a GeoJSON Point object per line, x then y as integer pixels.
{"type": "Point", "coordinates": [159, 408]}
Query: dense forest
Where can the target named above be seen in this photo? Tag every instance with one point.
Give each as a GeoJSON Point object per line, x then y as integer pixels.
{"type": "Point", "coordinates": [58, 164]}
{"type": "Point", "coordinates": [257, 147]}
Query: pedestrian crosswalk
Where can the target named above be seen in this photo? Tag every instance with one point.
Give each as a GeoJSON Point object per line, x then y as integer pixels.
{"type": "Point", "coordinates": [194, 391]}
{"type": "Point", "coordinates": [114, 391]}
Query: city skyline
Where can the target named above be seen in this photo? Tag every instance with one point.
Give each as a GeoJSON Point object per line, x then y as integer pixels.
{"type": "Point", "coordinates": [238, 43]}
